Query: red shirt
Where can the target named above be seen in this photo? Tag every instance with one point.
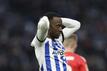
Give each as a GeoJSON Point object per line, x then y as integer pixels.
{"type": "Point", "coordinates": [77, 62]}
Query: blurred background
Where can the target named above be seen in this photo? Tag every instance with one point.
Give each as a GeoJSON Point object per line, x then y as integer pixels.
{"type": "Point", "coordinates": [18, 22]}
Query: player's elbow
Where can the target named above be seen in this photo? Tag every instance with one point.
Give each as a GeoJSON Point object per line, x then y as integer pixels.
{"type": "Point", "coordinates": [78, 25]}
{"type": "Point", "coordinates": [32, 44]}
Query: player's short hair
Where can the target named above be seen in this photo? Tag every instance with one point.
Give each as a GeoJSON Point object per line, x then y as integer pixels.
{"type": "Point", "coordinates": [50, 15]}
{"type": "Point", "coordinates": [73, 37]}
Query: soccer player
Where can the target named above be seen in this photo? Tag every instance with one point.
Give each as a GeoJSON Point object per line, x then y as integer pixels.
{"type": "Point", "coordinates": [77, 62]}
{"type": "Point", "coordinates": [48, 45]}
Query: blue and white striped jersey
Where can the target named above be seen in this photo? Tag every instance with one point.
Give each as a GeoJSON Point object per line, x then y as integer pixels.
{"type": "Point", "coordinates": [51, 56]}
{"type": "Point", "coordinates": [50, 53]}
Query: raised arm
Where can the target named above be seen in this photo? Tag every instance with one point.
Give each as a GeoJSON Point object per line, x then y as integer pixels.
{"type": "Point", "coordinates": [70, 26]}
{"type": "Point", "coordinates": [42, 31]}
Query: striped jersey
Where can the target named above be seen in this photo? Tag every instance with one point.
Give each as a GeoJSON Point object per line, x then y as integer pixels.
{"type": "Point", "coordinates": [50, 53]}
{"type": "Point", "coordinates": [50, 56]}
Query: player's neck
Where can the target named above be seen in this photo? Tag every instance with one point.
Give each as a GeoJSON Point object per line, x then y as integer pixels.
{"type": "Point", "coordinates": [50, 37]}
{"type": "Point", "coordinates": [70, 50]}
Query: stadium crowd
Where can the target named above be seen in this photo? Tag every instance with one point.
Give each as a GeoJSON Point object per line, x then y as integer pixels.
{"type": "Point", "coordinates": [18, 22]}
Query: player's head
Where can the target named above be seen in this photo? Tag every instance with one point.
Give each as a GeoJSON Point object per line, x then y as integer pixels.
{"type": "Point", "coordinates": [71, 42]}
{"type": "Point", "coordinates": [55, 25]}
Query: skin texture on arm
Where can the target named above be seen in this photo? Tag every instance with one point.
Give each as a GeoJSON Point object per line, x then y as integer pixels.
{"type": "Point", "coordinates": [42, 31]}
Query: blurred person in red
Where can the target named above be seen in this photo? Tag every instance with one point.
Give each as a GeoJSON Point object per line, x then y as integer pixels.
{"type": "Point", "coordinates": [77, 62]}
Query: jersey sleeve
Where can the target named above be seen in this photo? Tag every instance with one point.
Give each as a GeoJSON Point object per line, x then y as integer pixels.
{"type": "Point", "coordinates": [71, 26]}
{"type": "Point", "coordinates": [42, 31]}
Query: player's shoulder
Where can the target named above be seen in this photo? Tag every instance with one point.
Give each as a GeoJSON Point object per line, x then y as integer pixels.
{"type": "Point", "coordinates": [80, 57]}
{"type": "Point", "coordinates": [76, 55]}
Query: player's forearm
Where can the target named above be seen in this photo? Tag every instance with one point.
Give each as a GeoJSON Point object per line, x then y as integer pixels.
{"type": "Point", "coordinates": [42, 30]}
{"type": "Point", "coordinates": [70, 26]}
{"type": "Point", "coordinates": [43, 27]}
{"type": "Point", "coordinates": [70, 23]}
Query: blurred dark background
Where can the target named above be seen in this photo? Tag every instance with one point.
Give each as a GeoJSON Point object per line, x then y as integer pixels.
{"type": "Point", "coordinates": [18, 22]}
